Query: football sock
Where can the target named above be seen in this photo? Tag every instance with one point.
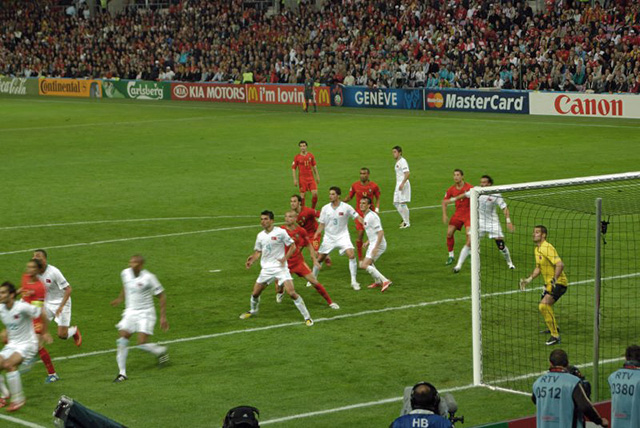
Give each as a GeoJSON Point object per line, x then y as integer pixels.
{"type": "Point", "coordinates": [549, 318]}
{"type": "Point", "coordinates": [353, 268]}
{"type": "Point", "coordinates": [3, 387]}
{"type": "Point", "coordinates": [323, 292]}
{"type": "Point", "coordinates": [450, 244]}
{"type": "Point", "coordinates": [15, 386]}
{"type": "Point", "coordinates": [506, 255]}
{"type": "Point", "coordinates": [255, 302]}
{"type": "Point", "coordinates": [121, 354]}
{"type": "Point", "coordinates": [375, 273]}
{"type": "Point", "coordinates": [152, 348]}
{"type": "Point", "coordinates": [314, 201]}
{"type": "Point", "coordinates": [463, 256]}
{"type": "Point", "coordinates": [302, 307]}
{"type": "Point", "coordinates": [359, 247]}
{"type": "Point", "coordinates": [404, 213]}
{"type": "Point", "coordinates": [72, 331]}
{"type": "Point", "coordinates": [46, 359]}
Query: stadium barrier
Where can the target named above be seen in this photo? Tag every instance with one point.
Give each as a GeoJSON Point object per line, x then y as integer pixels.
{"type": "Point", "coordinates": [216, 92]}
{"type": "Point", "coordinates": [361, 96]}
{"type": "Point", "coordinates": [136, 89]}
{"type": "Point", "coordinates": [80, 88]}
{"type": "Point", "coordinates": [285, 94]}
{"type": "Point", "coordinates": [604, 409]}
{"type": "Point", "coordinates": [574, 104]}
{"type": "Point", "coordinates": [18, 86]}
{"type": "Point", "coordinates": [484, 101]}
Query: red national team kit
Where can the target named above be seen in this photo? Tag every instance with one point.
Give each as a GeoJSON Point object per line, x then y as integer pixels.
{"type": "Point", "coordinates": [462, 215]}
{"type": "Point", "coordinates": [305, 164]}
{"type": "Point", "coordinates": [359, 190]}
{"type": "Point", "coordinates": [296, 262]}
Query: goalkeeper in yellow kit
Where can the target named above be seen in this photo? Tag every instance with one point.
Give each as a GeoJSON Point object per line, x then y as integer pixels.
{"type": "Point", "coordinates": [550, 265]}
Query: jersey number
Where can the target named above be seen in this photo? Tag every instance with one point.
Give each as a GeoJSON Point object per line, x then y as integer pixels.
{"type": "Point", "coordinates": [623, 388]}
{"type": "Point", "coordinates": [542, 392]}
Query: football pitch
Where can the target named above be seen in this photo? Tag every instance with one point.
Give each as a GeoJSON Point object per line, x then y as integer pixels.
{"type": "Point", "coordinates": [97, 181]}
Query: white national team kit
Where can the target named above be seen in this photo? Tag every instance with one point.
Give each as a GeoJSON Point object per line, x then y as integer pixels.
{"type": "Point", "coordinates": [373, 225]}
{"type": "Point", "coordinates": [402, 196]}
{"type": "Point", "coordinates": [336, 233]}
{"type": "Point", "coordinates": [139, 314]}
{"type": "Point", "coordinates": [272, 247]}
{"type": "Point", "coordinates": [489, 222]}
{"type": "Point", "coordinates": [55, 284]}
{"type": "Point", "coordinates": [21, 335]}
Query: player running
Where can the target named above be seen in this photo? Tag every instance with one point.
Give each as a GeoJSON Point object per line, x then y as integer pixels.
{"type": "Point", "coordinates": [376, 244]}
{"type": "Point", "coordinates": [333, 221]}
{"type": "Point", "coordinates": [308, 177]}
{"type": "Point", "coordinates": [296, 262]}
{"type": "Point", "coordinates": [489, 223]}
{"type": "Point", "coordinates": [57, 304]}
{"type": "Point", "coordinates": [461, 217]}
{"type": "Point", "coordinates": [402, 194]}
{"type": "Point", "coordinates": [33, 292]}
{"type": "Point", "coordinates": [22, 343]}
{"type": "Point", "coordinates": [307, 220]}
{"type": "Point", "coordinates": [361, 188]}
{"type": "Point", "coordinates": [270, 249]}
{"type": "Point", "coordinates": [139, 286]}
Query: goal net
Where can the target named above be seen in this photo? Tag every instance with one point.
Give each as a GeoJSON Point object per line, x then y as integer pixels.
{"type": "Point", "coordinates": [594, 224]}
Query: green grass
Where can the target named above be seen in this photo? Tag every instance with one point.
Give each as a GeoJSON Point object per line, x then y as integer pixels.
{"type": "Point", "coordinates": [70, 161]}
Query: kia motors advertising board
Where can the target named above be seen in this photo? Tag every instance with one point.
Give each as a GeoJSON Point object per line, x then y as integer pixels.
{"type": "Point", "coordinates": [360, 96]}
{"type": "Point", "coordinates": [573, 104]}
{"type": "Point", "coordinates": [285, 94]}
{"type": "Point", "coordinates": [208, 92]}
{"type": "Point", "coordinates": [477, 101]}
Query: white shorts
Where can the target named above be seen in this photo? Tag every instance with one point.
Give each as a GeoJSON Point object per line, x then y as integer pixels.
{"type": "Point", "coordinates": [268, 275]}
{"type": "Point", "coordinates": [27, 350]}
{"type": "Point", "coordinates": [494, 231]}
{"type": "Point", "coordinates": [381, 250]}
{"type": "Point", "coordinates": [402, 196]}
{"type": "Point", "coordinates": [138, 321]}
{"type": "Point", "coordinates": [342, 243]}
{"type": "Point", "coordinates": [64, 320]}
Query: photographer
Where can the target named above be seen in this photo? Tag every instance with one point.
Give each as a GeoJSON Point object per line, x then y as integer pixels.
{"type": "Point", "coordinates": [560, 397]}
{"type": "Point", "coordinates": [425, 405]}
{"type": "Point", "coordinates": [624, 383]}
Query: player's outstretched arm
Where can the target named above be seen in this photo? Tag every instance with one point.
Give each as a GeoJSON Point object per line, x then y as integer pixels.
{"type": "Point", "coordinates": [252, 258]}
{"type": "Point", "coordinates": [526, 281]}
{"type": "Point", "coordinates": [507, 216]}
{"type": "Point", "coordinates": [119, 299]}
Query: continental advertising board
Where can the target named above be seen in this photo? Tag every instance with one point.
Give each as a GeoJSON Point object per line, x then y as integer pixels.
{"type": "Point", "coordinates": [18, 86]}
{"type": "Point", "coordinates": [360, 96]}
{"type": "Point", "coordinates": [285, 94]}
{"type": "Point", "coordinates": [571, 104]}
{"type": "Point", "coordinates": [136, 89]}
{"type": "Point", "coordinates": [477, 101]}
{"type": "Point", "coordinates": [216, 92]}
{"type": "Point", "coordinates": [70, 87]}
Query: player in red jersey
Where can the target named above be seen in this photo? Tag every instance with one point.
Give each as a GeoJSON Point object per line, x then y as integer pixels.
{"type": "Point", "coordinates": [296, 262]}
{"type": "Point", "coordinates": [308, 177]}
{"type": "Point", "coordinates": [307, 220]}
{"type": "Point", "coordinates": [33, 292]}
{"type": "Point", "coordinates": [361, 188]}
{"type": "Point", "coordinates": [461, 217]}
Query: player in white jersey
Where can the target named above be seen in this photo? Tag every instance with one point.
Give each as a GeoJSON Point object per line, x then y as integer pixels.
{"type": "Point", "coordinates": [376, 244]}
{"type": "Point", "coordinates": [402, 194]}
{"type": "Point", "coordinates": [489, 223]}
{"type": "Point", "coordinates": [139, 287]}
{"type": "Point", "coordinates": [269, 248]}
{"type": "Point", "coordinates": [333, 221]}
{"type": "Point", "coordinates": [57, 303]}
{"type": "Point", "coordinates": [22, 343]}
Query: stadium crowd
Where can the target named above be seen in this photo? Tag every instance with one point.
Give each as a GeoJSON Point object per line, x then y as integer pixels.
{"type": "Point", "coordinates": [570, 46]}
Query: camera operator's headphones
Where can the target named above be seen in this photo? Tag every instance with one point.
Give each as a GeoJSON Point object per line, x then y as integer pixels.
{"type": "Point", "coordinates": [242, 416]}
{"type": "Point", "coordinates": [432, 401]}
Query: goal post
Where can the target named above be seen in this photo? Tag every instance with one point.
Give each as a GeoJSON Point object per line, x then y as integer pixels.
{"type": "Point", "coordinates": [599, 315]}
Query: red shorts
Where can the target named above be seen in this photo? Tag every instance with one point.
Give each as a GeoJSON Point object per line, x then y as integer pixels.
{"type": "Point", "coordinates": [301, 269]}
{"type": "Point", "coordinates": [460, 220]}
{"type": "Point", "coordinates": [308, 185]}
{"type": "Point", "coordinates": [359, 226]}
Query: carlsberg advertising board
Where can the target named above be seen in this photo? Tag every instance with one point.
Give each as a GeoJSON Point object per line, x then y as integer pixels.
{"type": "Point", "coordinates": [136, 89]}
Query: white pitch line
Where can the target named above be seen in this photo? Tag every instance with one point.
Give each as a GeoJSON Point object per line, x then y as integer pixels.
{"type": "Point", "coordinates": [352, 406]}
{"type": "Point", "coordinates": [20, 422]}
{"type": "Point", "coordinates": [215, 270]}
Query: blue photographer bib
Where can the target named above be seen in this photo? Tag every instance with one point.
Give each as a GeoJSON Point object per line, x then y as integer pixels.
{"type": "Point", "coordinates": [554, 400]}
{"type": "Point", "coordinates": [625, 398]}
{"type": "Point", "coordinates": [421, 421]}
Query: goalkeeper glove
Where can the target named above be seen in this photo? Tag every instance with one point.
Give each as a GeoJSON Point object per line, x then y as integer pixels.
{"type": "Point", "coordinates": [524, 282]}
